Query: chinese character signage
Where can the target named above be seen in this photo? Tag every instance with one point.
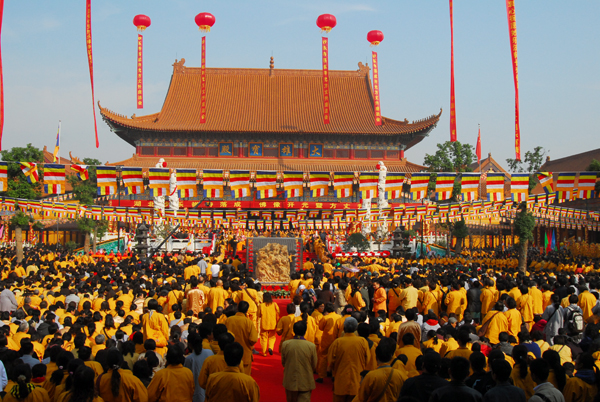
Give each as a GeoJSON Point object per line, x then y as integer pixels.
{"type": "Point", "coordinates": [315, 150]}
{"type": "Point", "coordinates": [226, 149]}
{"type": "Point", "coordinates": [255, 149]}
{"type": "Point", "coordinates": [286, 150]}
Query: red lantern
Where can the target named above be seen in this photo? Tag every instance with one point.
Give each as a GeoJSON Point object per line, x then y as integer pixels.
{"type": "Point", "coordinates": [205, 21]}
{"type": "Point", "coordinates": [141, 21]}
{"type": "Point", "coordinates": [326, 22]}
{"type": "Point", "coordinates": [375, 37]}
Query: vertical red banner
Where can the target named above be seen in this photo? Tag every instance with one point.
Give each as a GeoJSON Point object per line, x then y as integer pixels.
{"type": "Point", "coordinates": [326, 113]}
{"type": "Point", "coordinates": [88, 41]}
{"type": "Point", "coordinates": [203, 83]}
{"type": "Point", "coordinates": [1, 79]}
{"type": "Point", "coordinates": [376, 104]}
{"type": "Point", "coordinates": [452, 100]}
{"type": "Point", "coordinates": [140, 73]}
{"type": "Point", "coordinates": [512, 31]}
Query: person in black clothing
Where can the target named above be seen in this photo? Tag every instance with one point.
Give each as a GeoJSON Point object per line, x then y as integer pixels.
{"type": "Point", "coordinates": [325, 295]}
{"type": "Point", "coordinates": [456, 390]}
{"type": "Point", "coordinates": [473, 300]}
{"type": "Point", "coordinates": [422, 386]}
{"type": "Point", "coordinates": [478, 364]}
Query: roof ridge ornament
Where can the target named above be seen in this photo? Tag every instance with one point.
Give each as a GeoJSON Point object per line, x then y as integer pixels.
{"type": "Point", "coordinates": [178, 66]}
{"type": "Point", "coordinates": [363, 68]}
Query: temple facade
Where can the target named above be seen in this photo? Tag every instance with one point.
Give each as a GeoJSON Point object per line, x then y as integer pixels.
{"type": "Point", "coordinates": [269, 119]}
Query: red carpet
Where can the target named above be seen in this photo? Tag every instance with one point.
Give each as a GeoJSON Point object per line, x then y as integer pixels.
{"type": "Point", "coordinates": [268, 373]}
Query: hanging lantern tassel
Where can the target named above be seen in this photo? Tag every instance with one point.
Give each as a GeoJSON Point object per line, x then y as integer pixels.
{"type": "Point", "coordinates": [326, 112]}
{"type": "Point", "coordinates": [326, 22]}
{"type": "Point", "coordinates": [88, 41]}
{"type": "Point", "coordinates": [141, 22]}
{"type": "Point", "coordinates": [376, 104]}
{"type": "Point", "coordinates": [204, 21]}
{"type": "Point", "coordinates": [203, 83]}
{"type": "Point", "coordinates": [375, 38]}
{"type": "Point", "coordinates": [140, 71]}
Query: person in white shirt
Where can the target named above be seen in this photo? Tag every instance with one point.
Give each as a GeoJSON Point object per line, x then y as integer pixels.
{"type": "Point", "coordinates": [214, 269]}
{"type": "Point", "coordinates": [3, 377]}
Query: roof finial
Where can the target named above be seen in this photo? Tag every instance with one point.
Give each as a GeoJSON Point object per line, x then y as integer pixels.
{"type": "Point", "coordinates": [271, 66]}
{"type": "Point", "coordinates": [489, 155]}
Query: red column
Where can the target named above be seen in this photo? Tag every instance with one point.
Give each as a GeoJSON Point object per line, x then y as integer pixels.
{"type": "Point", "coordinates": [300, 151]}
{"type": "Point", "coordinates": [351, 152]}
{"type": "Point", "coordinates": [240, 150]}
{"type": "Point", "coordinates": [401, 154]}
{"type": "Point", "coordinates": [138, 150]}
{"type": "Point", "coordinates": [189, 152]}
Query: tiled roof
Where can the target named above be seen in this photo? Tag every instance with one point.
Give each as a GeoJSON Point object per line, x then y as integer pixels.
{"type": "Point", "coordinates": [573, 163]}
{"type": "Point", "coordinates": [488, 164]}
{"type": "Point", "coordinates": [280, 165]}
{"type": "Point", "coordinates": [269, 101]}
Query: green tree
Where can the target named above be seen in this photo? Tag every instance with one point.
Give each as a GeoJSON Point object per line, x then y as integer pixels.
{"type": "Point", "coordinates": [90, 226]}
{"type": "Point", "coordinates": [460, 231]}
{"type": "Point", "coordinates": [595, 167]}
{"type": "Point", "coordinates": [357, 240]}
{"type": "Point", "coordinates": [18, 186]}
{"type": "Point", "coordinates": [530, 164]}
{"type": "Point", "coordinates": [450, 157]}
{"type": "Point", "coordinates": [524, 225]}
{"type": "Point", "coordinates": [19, 221]}
{"type": "Point", "coordinates": [85, 190]}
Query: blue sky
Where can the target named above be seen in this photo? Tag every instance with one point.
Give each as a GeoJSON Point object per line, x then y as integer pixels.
{"type": "Point", "coordinates": [46, 75]}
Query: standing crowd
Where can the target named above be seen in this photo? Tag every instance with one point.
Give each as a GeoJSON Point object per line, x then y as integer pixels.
{"type": "Point", "coordinates": [466, 328]}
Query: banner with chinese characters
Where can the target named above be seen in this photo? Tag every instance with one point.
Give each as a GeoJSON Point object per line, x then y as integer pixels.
{"type": "Point", "coordinates": [512, 31]}
{"type": "Point", "coordinates": [376, 103]}
{"type": "Point", "coordinates": [140, 77]}
{"type": "Point", "coordinates": [88, 41]}
{"type": "Point", "coordinates": [203, 82]}
{"type": "Point", "coordinates": [326, 114]}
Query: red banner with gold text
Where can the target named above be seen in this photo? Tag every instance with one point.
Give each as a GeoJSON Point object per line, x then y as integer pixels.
{"type": "Point", "coordinates": [326, 113]}
{"type": "Point", "coordinates": [203, 83]}
{"type": "Point", "coordinates": [1, 79]}
{"type": "Point", "coordinates": [512, 31]}
{"type": "Point", "coordinates": [140, 73]}
{"type": "Point", "coordinates": [376, 103]}
{"type": "Point", "coordinates": [88, 41]}
{"type": "Point", "coordinates": [452, 102]}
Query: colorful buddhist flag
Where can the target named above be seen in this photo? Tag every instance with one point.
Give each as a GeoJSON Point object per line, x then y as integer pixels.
{"type": "Point", "coordinates": [158, 181]}
{"type": "Point", "coordinates": [495, 186]}
{"type": "Point", "coordinates": [469, 183]}
{"type": "Point", "coordinates": [444, 185]}
{"type": "Point", "coordinates": [546, 181]}
{"type": "Point", "coordinates": [186, 182]}
{"type": "Point", "coordinates": [393, 185]}
{"type": "Point", "coordinates": [586, 185]}
{"type": "Point", "coordinates": [54, 178]}
{"type": "Point", "coordinates": [368, 185]}
{"type": "Point", "coordinates": [266, 184]}
{"type": "Point", "coordinates": [519, 186]}
{"type": "Point", "coordinates": [82, 172]}
{"type": "Point", "coordinates": [239, 182]}
{"type": "Point", "coordinates": [565, 184]}
{"type": "Point", "coordinates": [292, 184]}
{"type": "Point", "coordinates": [30, 171]}
{"type": "Point", "coordinates": [106, 178]}
{"type": "Point", "coordinates": [212, 183]}
{"type": "Point", "coordinates": [319, 183]}
{"type": "Point", "coordinates": [3, 176]}
{"type": "Point", "coordinates": [342, 184]}
{"type": "Point", "coordinates": [133, 180]}
{"type": "Point", "coordinates": [418, 185]}
{"type": "Point", "coordinates": [57, 146]}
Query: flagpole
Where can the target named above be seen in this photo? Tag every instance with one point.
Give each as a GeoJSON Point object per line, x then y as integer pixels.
{"type": "Point", "coordinates": [58, 154]}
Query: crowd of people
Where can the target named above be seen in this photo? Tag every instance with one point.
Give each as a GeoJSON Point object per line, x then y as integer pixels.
{"type": "Point", "coordinates": [470, 328]}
